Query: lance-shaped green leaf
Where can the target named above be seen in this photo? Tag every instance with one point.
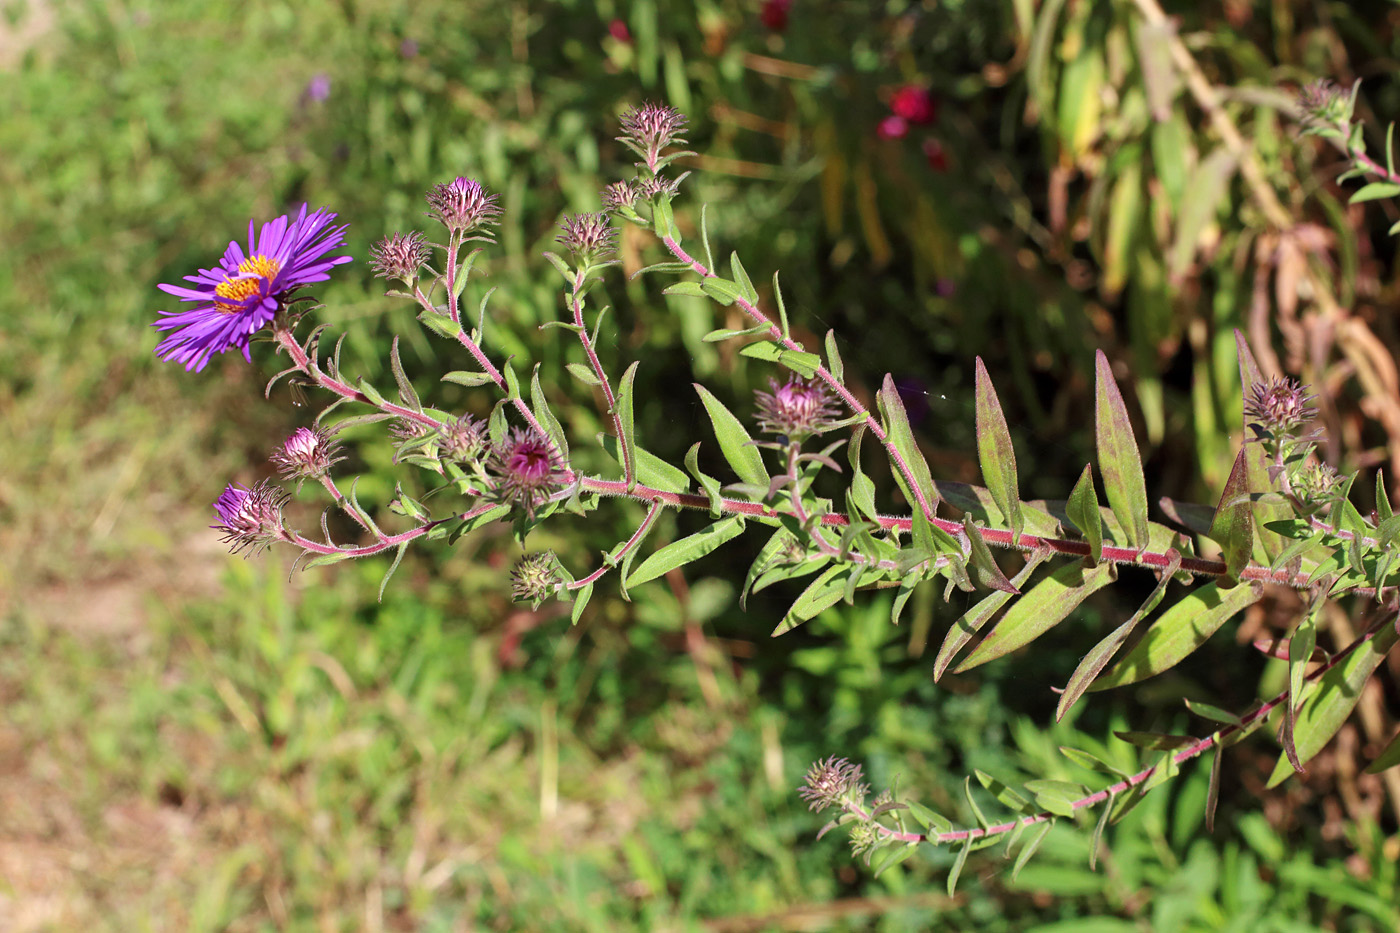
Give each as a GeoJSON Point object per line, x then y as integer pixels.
{"type": "Point", "coordinates": [628, 440]}
{"type": "Point", "coordinates": [1046, 604]}
{"type": "Point", "coordinates": [995, 453]}
{"type": "Point", "coordinates": [988, 573]}
{"type": "Point", "coordinates": [821, 594]}
{"type": "Point", "coordinates": [1300, 650]}
{"type": "Point", "coordinates": [1213, 789]}
{"type": "Point", "coordinates": [1233, 525]}
{"type": "Point", "coordinates": [803, 363]}
{"type": "Point", "coordinates": [540, 405]}
{"type": "Point", "coordinates": [901, 436]}
{"type": "Point", "coordinates": [692, 547]}
{"type": "Point", "coordinates": [833, 357]}
{"type": "Point", "coordinates": [734, 442]}
{"type": "Point", "coordinates": [1179, 631]}
{"type": "Point", "coordinates": [651, 470]}
{"type": "Point", "coordinates": [1120, 464]}
{"type": "Point", "coordinates": [706, 481]}
{"type": "Point", "coordinates": [1098, 657]}
{"type": "Point", "coordinates": [972, 621]}
{"type": "Point", "coordinates": [1335, 696]}
{"type": "Point", "coordinates": [1037, 836]}
{"type": "Point", "coordinates": [1083, 510]}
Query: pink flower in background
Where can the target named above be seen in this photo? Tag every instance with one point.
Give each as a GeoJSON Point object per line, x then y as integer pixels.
{"type": "Point", "coordinates": [892, 128]}
{"type": "Point", "coordinates": [619, 31]}
{"type": "Point", "coordinates": [774, 14]}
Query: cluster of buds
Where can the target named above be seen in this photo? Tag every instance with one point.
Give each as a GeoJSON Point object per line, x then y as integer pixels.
{"type": "Point", "coordinates": [464, 440]}
{"type": "Point", "coordinates": [1316, 487]}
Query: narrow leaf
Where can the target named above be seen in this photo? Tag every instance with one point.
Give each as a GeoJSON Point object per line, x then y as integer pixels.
{"type": "Point", "coordinates": [1213, 791]}
{"type": "Point", "coordinates": [821, 594]}
{"type": "Point", "coordinates": [1032, 844]}
{"type": "Point", "coordinates": [966, 627]}
{"type": "Point", "coordinates": [628, 440]}
{"type": "Point", "coordinates": [1375, 191]}
{"type": "Point", "coordinates": [581, 598]}
{"type": "Point", "coordinates": [901, 437]}
{"type": "Point", "coordinates": [1233, 525]}
{"type": "Point", "coordinates": [803, 363]}
{"type": "Point", "coordinates": [1120, 464]}
{"type": "Point", "coordinates": [406, 393]}
{"type": "Point", "coordinates": [540, 405]}
{"type": "Point", "coordinates": [1047, 603]}
{"type": "Point", "coordinates": [466, 378]}
{"type": "Point", "coordinates": [651, 470]}
{"type": "Point", "coordinates": [1388, 758]}
{"type": "Point", "coordinates": [833, 357]}
{"type": "Point", "coordinates": [687, 549]}
{"type": "Point", "coordinates": [958, 864]}
{"type": "Point", "coordinates": [734, 442]}
{"type": "Point", "coordinates": [1083, 510]}
{"type": "Point", "coordinates": [988, 573]}
{"type": "Point", "coordinates": [1179, 631]}
{"type": "Point", "coordinates": [582, 373]}
{"type": "Point", "coordinates": [995, 452]}
{"type": "Point", "coordinates": [1098, 657]}
{"type": "Point", "coordinates": [1332, 701]}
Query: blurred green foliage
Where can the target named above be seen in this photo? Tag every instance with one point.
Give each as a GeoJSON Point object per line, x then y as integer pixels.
{"type": "Point", "coordinates": [444, 761]}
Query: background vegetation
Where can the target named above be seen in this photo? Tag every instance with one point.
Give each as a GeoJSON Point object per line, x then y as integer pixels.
{"type": "Point", "coordinates": [190, 741]}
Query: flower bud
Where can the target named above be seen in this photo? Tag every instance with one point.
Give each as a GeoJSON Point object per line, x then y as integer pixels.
{"type": "Point", "coordinates": [1277, 407]}
{"type": "Point", "coordinates": [832, 782]}
{"type": "Point", "coordinates": [308, 454]}
{"type": "Point", "coordinates": [650, 128]}
{"type": "Point", "coordinates": [462, 206]}
{"type": "Point", "coordinates": [399, 257]}
{"type": "Point", "coordinates": [796, 409]}
{"type": "Point", "coordinates": [535, 578]}
{"type": "Point", "coordinates": [588, 236]}
{"type": "Point", "coordinates": [527, 468]}
{"type": "Point", "coordinates": [250, 519]}
{"type": "Point", "coordinates": [464, 439]}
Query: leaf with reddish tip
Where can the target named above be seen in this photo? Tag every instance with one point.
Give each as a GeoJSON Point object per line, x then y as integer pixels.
{"type": "Point", "coordinates": [1039, 610]}
{"type": "Point", "coordinates": [901, 437]}
{"type": "Point", "coordinates": [1328, 706]}
{"type": "Point", "coordinates": [1120, 464]}
{"type": "Point", "coordinates": [1179, 631]}
{"type": "Point", "coordinates": [1233, 525]}
{"type": "Point", "coordinates": [995, 453]}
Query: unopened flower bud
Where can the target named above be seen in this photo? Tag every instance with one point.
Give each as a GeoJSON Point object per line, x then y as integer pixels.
{"type": "Point", "coordinates": [619, 195]}
{"type": "Point", "coordinates": [399, 256]}
{"type": "Point", "coordinates": [535, 578]}
{"type": "Point", "coordinates": [833, 782]}
{"type": "Point", "coordinates": [462, 206]}
{"type": "Point", "coordinates": [250, 519]}
{"type": "Point", "coordinates": [796, 409]}
{"type": "Point", "coordinates": [650, 128]}
{"type": "Point", "coordinates": [308, 454]}
{"type": "Point", "coordinates": [464, 439]}
{"type": "Point", "coordinates": [1277, 407]}
{"type": "Point", "coordinates": [527, 468]}
{"type": "Point", "coordinates": [588, 236]}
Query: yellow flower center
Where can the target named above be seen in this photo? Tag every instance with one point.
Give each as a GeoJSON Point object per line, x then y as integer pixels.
{"type": "Point", "coordinates": [256, 272]}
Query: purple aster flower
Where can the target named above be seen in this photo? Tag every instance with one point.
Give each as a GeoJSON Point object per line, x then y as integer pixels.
{"type": "Point", "coordinates": [527, 468]}
{"type": "Point", "coordinates": [250, 519]}
{"type": "Point", "coordinates": [796, 409]}
{"type": "Point", "coordinates": [243, 295]}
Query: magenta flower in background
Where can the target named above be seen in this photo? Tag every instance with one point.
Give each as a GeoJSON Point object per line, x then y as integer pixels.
{"type": "Point", "coordinates": [914, 104]}
{"type": "Point", "coordinates": [619, 31]}
{"type": "Point", "coordinates": [243, 295]}
{"type": "Point", "coordinates": [774, 14]}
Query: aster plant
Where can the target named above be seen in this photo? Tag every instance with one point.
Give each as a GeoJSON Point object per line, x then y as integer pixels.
{"type": "Point", "coordinates": [1283, 518]}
